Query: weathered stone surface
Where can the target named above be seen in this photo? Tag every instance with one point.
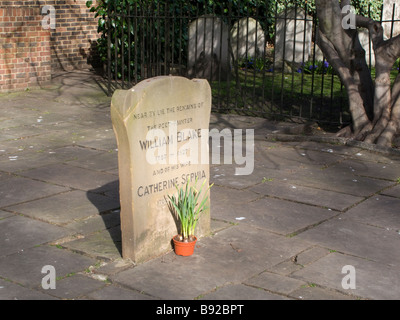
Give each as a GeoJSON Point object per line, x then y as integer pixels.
{"type": "Point", "coordinates": [16, 190]}
{"type": "Point", "coordinates": [355, 238]}
{"type": "Point", "coordinates": [67, 207]}
{"type": "Point", "coordinates": [312, 292]}
{"type": "Point", "coordinates": [25, 267]}
{"type": "Point", "coordinates": [370, 283]}
{"type": "Point", "coordinates": [238, 291]}
{"type": "Point", "coordinates": [388, 171]}
{"type": "Point", "coordinates": [65, 175]}
{"type": "Point", "coordinates": [379, 210]}
{"type": "Point", "coordinates": [293, 37]}
{"type": "Point", "coordinates": [313, 196]}
{"type": "Point", "coordinates": [12, 291]}
{"type": "Point", "coordinates": [339, 180]}
{"type": "Point", "coordinates": [232, 255]}
{"type": "Point", "coordinates": [366, 234]}
{"type": "Point", "coordinates": [161, 127]}
{"type": "Point", "coordinates": [19, 233]}
{"type": "Point", "coordinates": [4, 214]}
{"type": "Point", "coordinates": [247, 39]}
{"type": "Point", "coordinates": [388, 15]}
{"type": "Point", "coordinates": [113, 292]}
{"type": "Point", "coordinates": [275, 283]}
{"type": "Point", "coordinates": [75, 286]}
{"type": "Point", "coordinates": [208, 49]}
{"type": "Point", "coordinates": [105, 244]}
{"type": "Point", "coordinates": [281, 216]}
{"type": "Point", "coordinates": [394, 192]}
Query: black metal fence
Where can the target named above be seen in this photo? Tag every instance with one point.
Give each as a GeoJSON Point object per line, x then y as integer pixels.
{"type": "Point", "coordinates": [258, 62]}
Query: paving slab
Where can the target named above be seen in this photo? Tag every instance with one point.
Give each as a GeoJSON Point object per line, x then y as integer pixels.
{"type": "Point", "coordinates": [5, 214]}
{"type": "Point", "coordinates": [113, 267]}
{"type": "Point", "coordinates": [370, 156]}
{"type": "Point", "coordinates": [65, 175]}
{"type": "Point", "coordinates": [302, 194]}
{"type": "Point", "coordinates": [25, 268]}
{"type": "Point", "coordinates": [373, 280]}
{"type": "Point", "coordinates": [20, 161]}
{"type": "Point", "coordinates": [352, 237]}
{"type": "Point", "coordinates": [281, 156]}
{"type": "Point", "coordinates": [333, 149]}
{"type": "Point", "coordinates": [67, 207]}
{"type": "Point", "coordinates": [99, 141]}
{"type": "Point", "coordinates": [338, 180]}
{"type": "Point", "coordinates": [73, 153]}
{"type": "Point", "coordinates": [12, 291]}
{"type": "Point", "coordinates": [310, 255]}
{"type": "Point", "coordinates": [312, 292]}
{"type": "Point", "coordinates": [74, 287]}
{"type": "Point", "coordinates": [102, 161]}
{"type": "Point", "coordinates": [273, 235]}
{"type": "Point", "coordinates": [43, 144]}
{"type": "Point", "coordinates": [285, 267]}
{"type": "Point", "coordinates": [19, 233]}
{"type": "Point", "coordinates": [381, 211]}
{"type": "Point", "coordinates": [238, 291]}
{"type": "Point", "coordinates": [15, 190]}
{"type": "Point", "coordinates": [228, 203]}
{"type": "Point", "coordinates": [394, 191]}
{"type": "Point", "coordinates": [280, 216]}
{"type": "Point", "coordinates": [19, 132]}
{"type": "Point", "coordinates": [226, 175]}
{"type": "Point", "coordinates": [275, 283]}
{"type": "Point", "coordinates": [96, 222]}
{"type": "Point", "coordinates": [232, 255]}
{"type": "Point", "coordinates": [105, 244]}
{"type": "Point", "coordinates": [388, 171]}
{"type": "Point", "coordinates": [115, 292]}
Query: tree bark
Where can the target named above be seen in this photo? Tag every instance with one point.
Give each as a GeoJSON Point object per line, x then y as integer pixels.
{"type": "Point", "coordinates": [374, 105]}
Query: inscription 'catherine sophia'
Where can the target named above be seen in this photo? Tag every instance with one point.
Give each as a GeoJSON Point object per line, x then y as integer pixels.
{"type": "Point", "coordinates": [170, 183]}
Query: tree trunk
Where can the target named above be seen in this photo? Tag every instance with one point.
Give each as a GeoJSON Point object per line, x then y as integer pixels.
{"type": "Point", "coordinates": [374, 105]}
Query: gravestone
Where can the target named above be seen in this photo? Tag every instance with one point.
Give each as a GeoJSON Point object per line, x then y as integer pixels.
{"type": "Point", "coordinates": [208, 56]}
{"type": "Point", "coordinates": [247, 39]}
{"type": "Point", "coordinates": [161, 126]}
{"type": "Point", "coordinates": [387, 15]}
{"type": "Point", "coordinates": [293, 38]}
{"type": "Point", "coordinates": [366, 43]}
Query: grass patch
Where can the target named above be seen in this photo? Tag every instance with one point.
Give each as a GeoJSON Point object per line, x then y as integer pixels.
{"type": "Point", "coordinates": [313, 96]}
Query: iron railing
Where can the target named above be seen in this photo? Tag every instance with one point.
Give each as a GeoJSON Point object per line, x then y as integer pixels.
{"type": "Point", "coordinates": [245, 67]}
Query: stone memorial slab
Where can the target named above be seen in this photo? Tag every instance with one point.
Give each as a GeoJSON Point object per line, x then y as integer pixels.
{"type": "Point", "coordinates": [391, 28]}
{"type": "Point", "coordinates": [366, 43]}
{"type": "Point", "coordinates": [161, 126]}
{"type": "Point", "coordinates": [208, 56]}
{"type": "Point", "coordinates": [293, 37]}
{"type": "Point", "coordinates": [247, 39]}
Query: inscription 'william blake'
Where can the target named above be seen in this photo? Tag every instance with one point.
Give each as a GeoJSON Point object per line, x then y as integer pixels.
{"type": "Point", "coordinates": [194, 150]}
{"type": "Point", "coordinates": [162, 140]}
{"type": "Point", "coordinates": [155, 146]}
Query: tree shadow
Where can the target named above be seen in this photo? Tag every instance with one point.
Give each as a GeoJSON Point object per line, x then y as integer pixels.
{"type": "Point", "coordinates": [106, 200]}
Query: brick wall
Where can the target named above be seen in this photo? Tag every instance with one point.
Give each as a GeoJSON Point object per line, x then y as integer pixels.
{"type": "Point", "coordinates": [29, 54]}
{"type": "Point", "coordinates": [74, 39]}
{"type": "Point", "coordinates": [25, 57]}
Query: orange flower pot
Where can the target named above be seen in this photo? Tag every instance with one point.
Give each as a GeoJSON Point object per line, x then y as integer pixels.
{"type": "Point", "coordinates": [183, 248]}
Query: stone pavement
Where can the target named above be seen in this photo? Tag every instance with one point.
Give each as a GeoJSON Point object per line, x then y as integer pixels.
{"type": "Point", "coordinates": [283, 232]}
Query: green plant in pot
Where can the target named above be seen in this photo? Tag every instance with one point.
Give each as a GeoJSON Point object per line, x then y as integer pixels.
{"type": "Point", "coordinates": [186, 207]}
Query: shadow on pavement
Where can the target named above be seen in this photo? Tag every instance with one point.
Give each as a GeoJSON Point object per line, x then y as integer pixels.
{"type": "Point", "coordinates": [111, 217]}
